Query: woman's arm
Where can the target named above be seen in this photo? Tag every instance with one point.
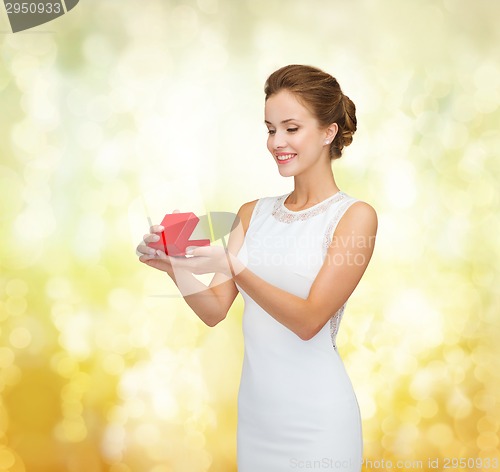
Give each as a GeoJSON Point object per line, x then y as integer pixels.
{"type": "Point", "coordinates": [216, 299]}
{"type": "Point", "coordinates": [211, 304]}
{"type": "Point", "coordinates": [345, 262]}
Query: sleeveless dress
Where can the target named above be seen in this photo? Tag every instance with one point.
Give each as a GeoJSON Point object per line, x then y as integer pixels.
{"type": "Point", "coordinates": [296, 405]}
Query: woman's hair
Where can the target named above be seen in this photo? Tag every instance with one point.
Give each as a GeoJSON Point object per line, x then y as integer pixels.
{"type": "Point", "coordinates": [321, 94]}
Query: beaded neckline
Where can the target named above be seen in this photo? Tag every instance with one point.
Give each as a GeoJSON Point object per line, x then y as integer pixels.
{"type": "Point", "coordinates": [283, 214]}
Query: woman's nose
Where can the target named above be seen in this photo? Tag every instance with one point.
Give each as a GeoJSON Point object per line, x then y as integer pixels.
{"type": "Point", "coordinates": [279, 140]}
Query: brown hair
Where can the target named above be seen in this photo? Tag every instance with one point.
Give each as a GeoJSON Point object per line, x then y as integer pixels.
{"type": "Point", "coordinates": [322, 95]}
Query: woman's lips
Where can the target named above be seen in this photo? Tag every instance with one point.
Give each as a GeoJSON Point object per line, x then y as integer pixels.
{"type": "Point", "coordinates": [284, 158]}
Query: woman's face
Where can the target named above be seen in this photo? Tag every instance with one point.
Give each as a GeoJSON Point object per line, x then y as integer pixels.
{"type": "Point", "coordinates": [295, 140]}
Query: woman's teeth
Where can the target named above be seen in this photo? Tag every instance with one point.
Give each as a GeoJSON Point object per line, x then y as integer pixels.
{"type": "Point", "coordinates": [285, 157]}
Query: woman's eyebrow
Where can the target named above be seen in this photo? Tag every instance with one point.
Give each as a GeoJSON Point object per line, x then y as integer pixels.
{"type": "Point", "coordinates": [283, 122]}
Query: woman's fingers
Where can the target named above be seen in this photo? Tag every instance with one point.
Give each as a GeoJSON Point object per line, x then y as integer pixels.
{"type": "Point", "coordinates": [151, 256]}
{"type": "Point", "coordinates": [156, 229]}
{"type": "Point", "coordinates": [146, 257]}
{"type": "Point", "coordinates": [162, 255]}
{"type": "Point", "coordinates": [200, 250]}
{"type": "Point", "coordinates": [144, 249]}
{"type": "Point", "coordinates": [160, 228]}
{"type": "Point", "coordinates": [150, 238]}
{"type": "Point", "coordinates": [158, 260]}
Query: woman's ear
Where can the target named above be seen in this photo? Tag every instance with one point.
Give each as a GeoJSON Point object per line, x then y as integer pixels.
{"type": "Point", "coordinates": [331, 132]}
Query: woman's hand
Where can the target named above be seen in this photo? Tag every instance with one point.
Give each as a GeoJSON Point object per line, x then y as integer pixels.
{"type": "Point", "coordinates": [207, 260]}
{"type": "Point", "coordinates": [153, 257]}
{"type": "Point", "coordinates": [211, 304]}
{"type": "Point", "coordinates": [201, 260]}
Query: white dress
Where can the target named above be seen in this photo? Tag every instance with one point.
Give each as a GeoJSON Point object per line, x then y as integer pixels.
{"type": "Point", "coordinates": [296, 406]}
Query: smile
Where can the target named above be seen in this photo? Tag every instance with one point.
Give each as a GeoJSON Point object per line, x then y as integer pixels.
{"type": "Point", "coordinates": [284, 158]}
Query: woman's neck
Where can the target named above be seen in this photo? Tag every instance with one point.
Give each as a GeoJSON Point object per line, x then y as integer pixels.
{"type": "Point", "coordinates": [310, 192]}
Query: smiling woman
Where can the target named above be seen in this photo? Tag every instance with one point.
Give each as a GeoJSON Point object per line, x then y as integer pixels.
{"type": "Point", "coordinates": [321, 95]}
{"type": "Point", "coordinates": [295, 258]}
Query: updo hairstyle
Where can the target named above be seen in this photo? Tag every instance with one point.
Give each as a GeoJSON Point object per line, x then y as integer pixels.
{"type": "Point", "coordinates": [321, 94]}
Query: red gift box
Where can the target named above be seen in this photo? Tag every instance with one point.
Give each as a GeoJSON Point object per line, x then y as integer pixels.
{"type": "Point", "coordinates": [174, 239]}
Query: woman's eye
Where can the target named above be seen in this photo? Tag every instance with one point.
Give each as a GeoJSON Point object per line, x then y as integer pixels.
{"type": "Point", "coordinates": [292, 130]}
{"type": "Point", "coordinates": [271, 131]}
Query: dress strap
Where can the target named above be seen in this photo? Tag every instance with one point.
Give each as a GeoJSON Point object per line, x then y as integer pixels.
{"type": "Point", "coordinates": [260, 208]}
{"type": "Point", "coordinates": [339, 212]}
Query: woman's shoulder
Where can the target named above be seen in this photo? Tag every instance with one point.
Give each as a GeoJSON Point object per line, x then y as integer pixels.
{"type": "Point", "coordinates": [358, 215]}
{"type": "Point", "coordinates": [358, 206]}
{"type": "Point", "coordinates": [247, 208]}
{"type": "Point", "coordinates": [245, 213]}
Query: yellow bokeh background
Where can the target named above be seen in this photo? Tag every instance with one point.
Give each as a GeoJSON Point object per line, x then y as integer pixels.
{"type": "Point", "coordinates": [123, 110]}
